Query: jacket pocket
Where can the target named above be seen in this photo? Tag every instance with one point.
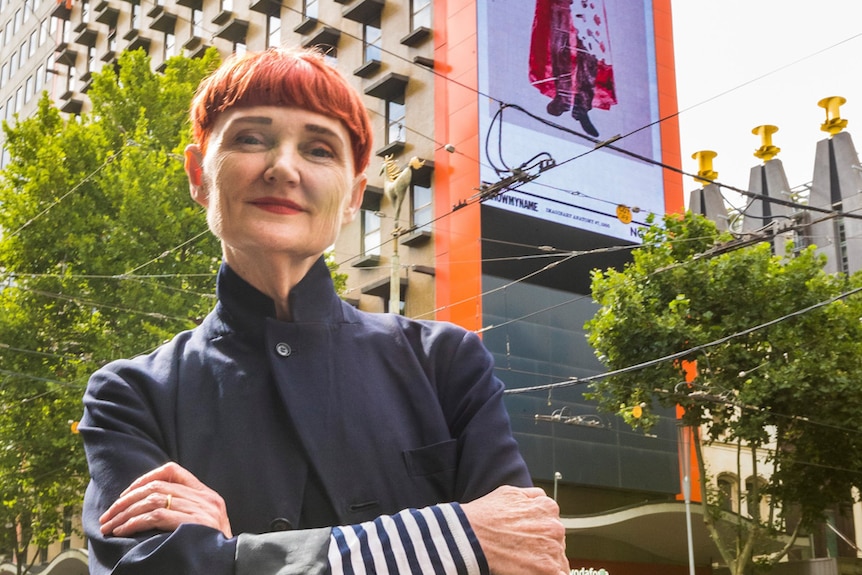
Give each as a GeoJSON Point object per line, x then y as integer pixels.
{"type": "Point", "coordinates": [432, 459]}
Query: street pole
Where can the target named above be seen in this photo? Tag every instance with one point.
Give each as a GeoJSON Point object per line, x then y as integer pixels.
{"type": "Point", "coordinates": [685, 434]}
{"type": "Point", "coordinates": [395, 276]}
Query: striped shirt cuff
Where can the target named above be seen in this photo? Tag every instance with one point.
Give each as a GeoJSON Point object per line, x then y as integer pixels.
{"type": "Point", "coordinates": [434, 540]}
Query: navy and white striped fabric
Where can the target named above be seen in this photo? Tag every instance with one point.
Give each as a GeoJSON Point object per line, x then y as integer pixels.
{"type": "Point", "coordinates": [433, 540]}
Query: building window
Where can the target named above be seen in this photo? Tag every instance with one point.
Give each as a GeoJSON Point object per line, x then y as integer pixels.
{"type": "Point", "coordinates": [49, 68]}
{"type": "Point", "coordinates": [136, 16]}
{"type": "Point", "coordinates": [4, 73]}
{"type": "Point", "coordinates": [40, 78]}
{"type": "Point", "coordinates": [372, 40]}
{"type": "Point", "coordinates": [239, 48]}
{"type": "Point", "coordinates": [170, 46]}
{"type": "Point", "coordinates": [43, 31]}
{"type": "Point", "coordinates": [421, 202]}
{"type": "Point", "coordinates": [70, 79]}
{"type": "Point", "coordinates": [227, 5]}
{"type": "Point", "coordinates": [197, 23]}
{"type": "Point", "coordinates": [728, 491]}
{"type": "Point", "coordinates": [85, 12]}
{"type": "Point", "coordinates": [420, 14]}
{"type": "Point", "coordinates": [310, 9]}
{"type": "Point", "coordinates": [29, 89]}
{"type": "Point", "coordinates": [841, 235]}
{"type": "Point", "coordinates": [91, 59]}
{"type": "Point", "coordinates": [112, 39]}
{"type": "Point", "coordinates": [395, 115]}
{"type": "Point", "coordinates": [34, 39]}
{"type": "Point", "coordinates": [370, 233]}
{"type": "Point", "coordinates": [273, 31]}
{"type": "Point", "coordinates": [67, 529]}
{"type": "Point", "coordinates": [753, 507]}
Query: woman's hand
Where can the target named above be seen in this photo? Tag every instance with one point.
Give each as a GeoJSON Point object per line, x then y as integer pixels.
{"type": "Point", "coordinates": [520, 531]}
{"type": "Point", "coordinates": [163, 499]}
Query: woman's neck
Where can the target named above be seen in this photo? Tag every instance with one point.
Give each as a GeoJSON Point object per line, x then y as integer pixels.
{"type": "Point", "coordinates": [273, 276]}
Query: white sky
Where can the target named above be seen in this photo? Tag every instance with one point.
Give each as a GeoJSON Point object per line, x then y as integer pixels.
{"type": "Point", "coordinates": [743, 63]}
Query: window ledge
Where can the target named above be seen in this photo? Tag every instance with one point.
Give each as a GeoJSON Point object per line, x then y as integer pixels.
{"type": "Point", "coordinates": [369, 68]}
{"type": "Point", "coordinates": [306, 26]}
{"type": "Point", "coordinates": [416, 37]}
{"type": "Point", "coordinates": [393, 149]}
{"type": "Point", "coordinates": [367, 262]}
{"type": "Point", "coordinates": [415, 238]}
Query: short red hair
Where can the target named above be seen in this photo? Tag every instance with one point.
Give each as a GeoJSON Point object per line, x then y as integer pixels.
{"type": "Point", "coordinates": [298, 78]}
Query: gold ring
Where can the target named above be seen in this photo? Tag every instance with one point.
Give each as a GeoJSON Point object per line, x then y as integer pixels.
{"type": "Point", "coordinates": [168, 501]}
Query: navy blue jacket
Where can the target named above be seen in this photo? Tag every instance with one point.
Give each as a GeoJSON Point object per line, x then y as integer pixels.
{"type": "Point", "coordinates": [333, 418]}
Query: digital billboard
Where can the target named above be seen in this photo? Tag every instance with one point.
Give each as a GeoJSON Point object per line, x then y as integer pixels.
{"type": "Point", "coordinates": [577, 79]}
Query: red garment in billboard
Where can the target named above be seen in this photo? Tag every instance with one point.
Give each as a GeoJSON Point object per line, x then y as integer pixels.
{"type": "Point", "coordinates": [570, 55]}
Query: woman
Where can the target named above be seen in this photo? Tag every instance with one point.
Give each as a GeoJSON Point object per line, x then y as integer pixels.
{"type": "Point", "coordinates": [287, 409]}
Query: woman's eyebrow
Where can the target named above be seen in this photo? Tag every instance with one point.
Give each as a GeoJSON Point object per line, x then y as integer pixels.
{"type": "Point", "coordinates": [252, 120]}
{"type": "Point", "coordinates": [321, 130]}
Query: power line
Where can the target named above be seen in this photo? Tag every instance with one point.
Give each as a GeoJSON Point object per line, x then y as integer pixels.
{"type": "Point", "coordinates": [89, 303]}
{"type": "Point", "coordinates": [680, 354]}
{"type": "Point", "coordinates": [425, 68]}
{"type": "Point", "coordinates": [74, 188]}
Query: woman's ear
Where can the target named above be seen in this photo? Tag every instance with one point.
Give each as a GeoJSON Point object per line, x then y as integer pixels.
{"type": "Point", "coordinates": [194, 170]}
{"type": "Point", "coordinates": [354, 203]}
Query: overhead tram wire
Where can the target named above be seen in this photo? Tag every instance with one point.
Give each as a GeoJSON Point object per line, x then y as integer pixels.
{"type": "Point", "coordinates": [667, 167]}
{"type": "Point", "coordinates": [448, 79]}
{"type": "Point", "coordinates": [680, 354]}
{"type": "Point", "coordinates": [635, 155]}
{"type": "Point", "coordinates": [567, 255]}
{"type": "Point", "coordinates": [478, 92]}
{"type": "Point", "coordinates": [73, 189]}
{"type": "Point", "coordinates": [610, 143]}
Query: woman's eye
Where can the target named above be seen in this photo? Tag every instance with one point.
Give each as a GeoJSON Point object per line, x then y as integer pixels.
{"type": "Point", "coordinates": [321, 152]}
{"type": "Point", "coordinates": [248, 139]}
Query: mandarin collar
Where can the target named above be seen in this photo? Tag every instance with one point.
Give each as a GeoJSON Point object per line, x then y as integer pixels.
{"type": "Point", "coordinates": [244, 307]}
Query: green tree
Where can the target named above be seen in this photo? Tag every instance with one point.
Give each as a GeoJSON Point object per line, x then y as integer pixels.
{"type": "Point", "coordinates": [103, 255]}
{"type": "Point", "coordinates": [778, 348]}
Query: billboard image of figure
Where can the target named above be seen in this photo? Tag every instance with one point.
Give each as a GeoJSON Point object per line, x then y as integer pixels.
{"type": "Point", "coordinates": [569, 58]}
{"type": "Point", "coordinates": [577, 75]}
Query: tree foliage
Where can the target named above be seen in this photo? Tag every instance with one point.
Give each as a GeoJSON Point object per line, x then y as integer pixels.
{"type": "Point", "coordinates": [779, 370]}
{"type": "Point", "coordinates": [103, 255]}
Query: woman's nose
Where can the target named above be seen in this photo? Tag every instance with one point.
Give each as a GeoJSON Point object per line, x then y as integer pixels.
{"type": "Point", "coordinates": [282, 166]}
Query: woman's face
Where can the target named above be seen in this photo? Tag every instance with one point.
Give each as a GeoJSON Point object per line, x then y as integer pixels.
{"type": "Point", "coordinates": [276, 180]}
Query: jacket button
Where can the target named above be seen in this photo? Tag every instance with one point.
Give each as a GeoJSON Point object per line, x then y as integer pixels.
{"type": "Point", "coordinates": [280, 524]}
{"type": "Point", "coordinates": [282, 349]}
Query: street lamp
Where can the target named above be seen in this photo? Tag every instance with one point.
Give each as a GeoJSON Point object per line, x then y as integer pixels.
{"type": "Point", "coordinates": [557, 477]}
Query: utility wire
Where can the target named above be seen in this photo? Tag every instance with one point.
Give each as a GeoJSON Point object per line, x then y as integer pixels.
{"type": "Point", "coordinates": [74, 188]}
{"type": "Point", "coordinates": [680, 354]}
{"type": "Point", "coordinates": [608, 145]}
